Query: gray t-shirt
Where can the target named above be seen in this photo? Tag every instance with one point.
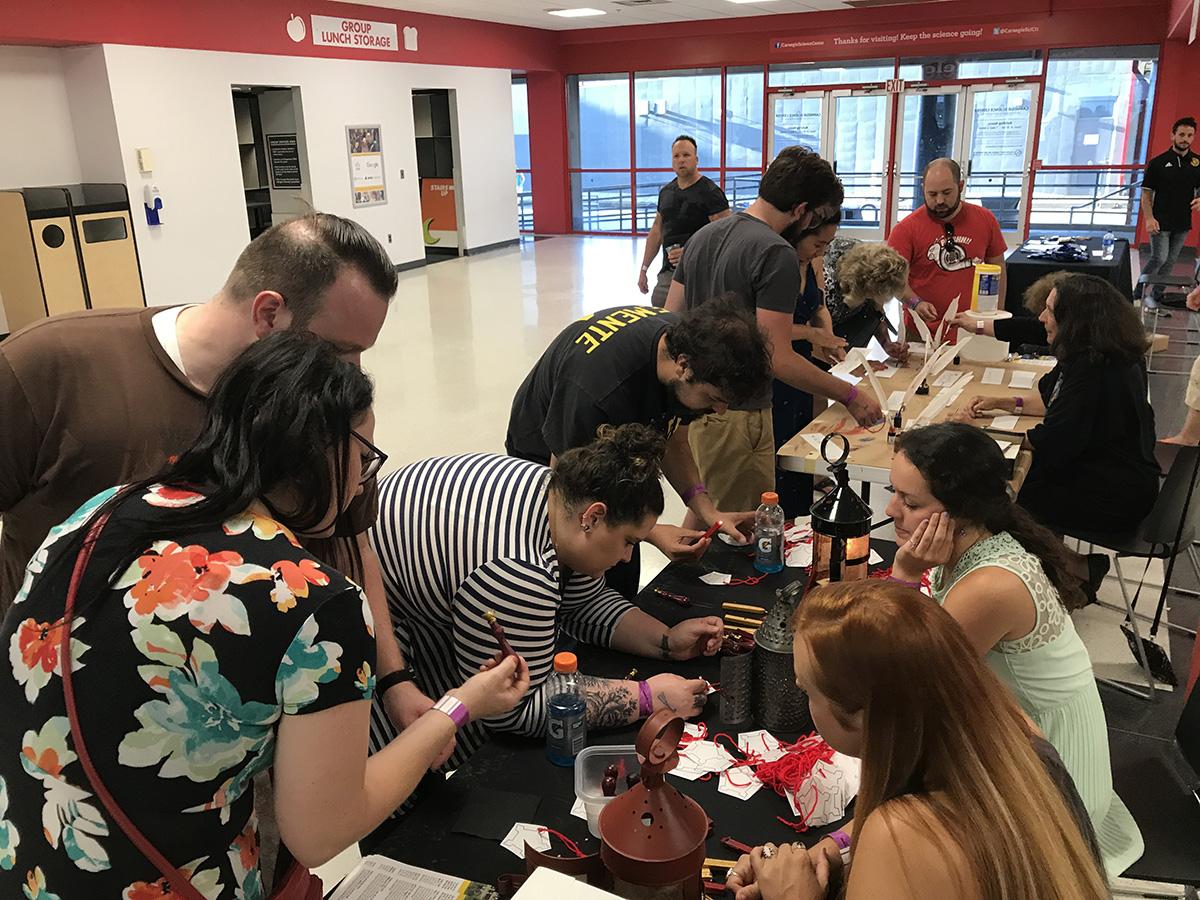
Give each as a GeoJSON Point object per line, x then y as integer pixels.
{"type": "Point", "coordinates": [744, 255]}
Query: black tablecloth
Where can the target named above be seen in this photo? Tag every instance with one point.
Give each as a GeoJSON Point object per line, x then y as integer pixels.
{"type": "Point", "coordinates": [1023, 271]}
{"type": "Point", "coordinates": [509, 763]}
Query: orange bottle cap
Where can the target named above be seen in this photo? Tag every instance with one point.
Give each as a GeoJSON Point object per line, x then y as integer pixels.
{"type": "Point", "coordinates": [565, 662]}
{"type": "Point", "coordinates": [770, 498]}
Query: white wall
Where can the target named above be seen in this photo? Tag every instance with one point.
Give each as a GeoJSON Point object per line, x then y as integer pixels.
{"type": "Point", "coordinates": [178, 103]}
{"type": "Point", "coordinates": [37, 140]}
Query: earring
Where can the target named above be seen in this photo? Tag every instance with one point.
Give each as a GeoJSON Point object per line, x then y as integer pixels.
{"type": "Point", "coordinates": [585, 526]}
{"type": "Point", "coordinates": [962, 532]}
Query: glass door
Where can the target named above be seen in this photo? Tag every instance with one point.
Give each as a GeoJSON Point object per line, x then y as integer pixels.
{"type": "Point", "coordinates": [931, 126]}
{"type": "Point", "coordinates": [796, 119]}
{"type": "Point", "coordinates": [996, 163]}
{"type": "Point", "coordinates": [860, 150]}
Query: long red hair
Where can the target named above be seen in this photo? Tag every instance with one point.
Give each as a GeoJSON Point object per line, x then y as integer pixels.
{"type": "Point", "coordinates": [939, 726]}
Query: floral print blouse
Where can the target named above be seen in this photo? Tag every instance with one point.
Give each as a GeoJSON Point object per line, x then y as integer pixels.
{"type": "Point", "coordinates": [182, 670]}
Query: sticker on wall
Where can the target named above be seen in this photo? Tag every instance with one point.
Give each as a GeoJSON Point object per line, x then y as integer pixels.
{"type": "Point", "coordinates": [355, 34]}
{"type": "Point", "coordinates": [410, 38]}
{"type": "Point", "coordinates": [366, 165]}
{"type": "Point", "coordinates": [295, 29]}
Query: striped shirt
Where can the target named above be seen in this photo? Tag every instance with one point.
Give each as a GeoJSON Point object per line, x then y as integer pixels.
{"type": "Point", "coordinates": [461, 535]}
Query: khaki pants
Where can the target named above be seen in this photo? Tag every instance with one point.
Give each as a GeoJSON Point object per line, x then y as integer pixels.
{"type": "Point", "coordinates": [658, 294]}
{"type": "Point", "coordinates": [735, 452]}
{"type": "Point", "coordinates": [1191, 398]}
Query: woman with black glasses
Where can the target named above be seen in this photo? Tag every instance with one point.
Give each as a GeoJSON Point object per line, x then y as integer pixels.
{"type": "Point", "coordinates": [206, 645]}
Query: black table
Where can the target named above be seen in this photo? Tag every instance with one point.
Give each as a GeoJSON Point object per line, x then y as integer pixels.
{"type": "Point", "coordinates": [509, 763]}
{"type": "Point", "coordinates": [1024, 271]}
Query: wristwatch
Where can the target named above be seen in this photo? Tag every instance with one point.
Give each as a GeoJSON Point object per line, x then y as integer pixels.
{"type": "Point", "coordinates": [392, 679]}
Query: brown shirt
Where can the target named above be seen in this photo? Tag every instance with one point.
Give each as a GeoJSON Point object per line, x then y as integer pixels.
{"type": "Point", "coordinates": [88, 400]}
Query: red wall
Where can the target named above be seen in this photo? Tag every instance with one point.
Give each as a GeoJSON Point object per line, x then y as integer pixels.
{"type": "Point", "coordinates": [748, 41]}
{"type": "Point", "coordinates": [259, 26]}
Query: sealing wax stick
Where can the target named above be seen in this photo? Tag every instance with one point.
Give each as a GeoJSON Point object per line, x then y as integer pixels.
{"type": "Point", "coordinates": [498, 632]}
{"type": "Point", "coordinates": [744, 607]}
{"type": "Point", "coordinates": [742, 620]}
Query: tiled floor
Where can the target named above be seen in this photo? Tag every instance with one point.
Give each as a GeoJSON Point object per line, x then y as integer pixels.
{"type": "Point", "coordinates": [462, 335]}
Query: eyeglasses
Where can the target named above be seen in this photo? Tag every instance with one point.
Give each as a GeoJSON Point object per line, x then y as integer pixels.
{"type": "Point", "coordinates": [371, 464]}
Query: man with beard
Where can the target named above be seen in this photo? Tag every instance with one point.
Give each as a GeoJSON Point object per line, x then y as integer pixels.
{"type": "Point", "coordinates": [685, 205]}
{"type": "Point", "coordinates": [1169, 194]}
{"type": "Point", "coordinates": [943, 242]}
{"type": "Point", "coordinates": [657, 368]}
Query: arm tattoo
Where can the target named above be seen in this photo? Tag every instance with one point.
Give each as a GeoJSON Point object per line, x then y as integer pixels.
{"type": "Point", "coordinates": [609, 703]}
{"type": "Point", "coordinates": [662, 698]}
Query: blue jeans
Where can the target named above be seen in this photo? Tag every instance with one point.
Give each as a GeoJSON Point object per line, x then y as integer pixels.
{"type": "Point", "coordinates": [1164, 252]}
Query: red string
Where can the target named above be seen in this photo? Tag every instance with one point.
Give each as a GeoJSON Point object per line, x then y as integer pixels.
{"type": "Point", "coordinates": [753, 579]}
{"type": "Point", "coordinates": [690, 738]}
{"type": "Point", "coordinates": [571, 845]}
{"type": "Point", "coordinates": [786, 774]}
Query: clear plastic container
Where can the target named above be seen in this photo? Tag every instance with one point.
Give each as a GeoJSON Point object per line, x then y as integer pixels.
{"type": "Point", "coordinates": [589, 773]}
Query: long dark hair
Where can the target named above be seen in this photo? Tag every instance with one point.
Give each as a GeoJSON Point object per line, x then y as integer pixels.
{"type": "Point", "coordinates": [621, 468]}
{"type": "Point", "coordinates": [966, 473]}
{"type": "Point", "coordinates": [1095, 321]}
{"type": "Point", "coordinates": [271, 422]}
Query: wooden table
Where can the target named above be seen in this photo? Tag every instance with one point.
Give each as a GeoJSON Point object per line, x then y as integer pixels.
{"type": "Point", "coordinates": [870, 454]}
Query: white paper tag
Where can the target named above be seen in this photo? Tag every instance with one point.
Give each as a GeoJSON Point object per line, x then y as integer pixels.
{"type": "Point", "coordinates": [739, 782]}
{"type": "Point", "coordinates": [578, 809]}
{"type": "Point", "coordinates": [799, 556]}
{"type": "Point", "coordinates": [715, 578]}
{"type": "Point", "coordinates": [992, 376]}
{"type": "Point", "coordinates": [523, 833]}
{"type": "Point", "coordinates": [761, 742]}
{"type": "Point", "coordinates": [1022, 380]}
{"type": "Point", "coordinates": [1005, 423]}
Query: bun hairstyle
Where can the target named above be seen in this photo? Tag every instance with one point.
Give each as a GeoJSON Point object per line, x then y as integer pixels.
{"type": "Point", "coordinates": [872, 271]}
{"type": "Point", "coordinates": [967, 474]}
{"type": "Point", "coordinates": [621, 468]}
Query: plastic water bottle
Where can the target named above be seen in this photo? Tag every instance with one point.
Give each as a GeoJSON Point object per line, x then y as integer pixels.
{"type": "Point", "coordinates": [768, 534]}
{"type": "Point", "coordinates": [1108, 242]}
{"type": "Point", "coordinates": [566, 731]}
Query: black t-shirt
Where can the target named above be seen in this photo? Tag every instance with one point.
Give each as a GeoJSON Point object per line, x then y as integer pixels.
{"type": "Point", "coordinates": [744, 255]}
{"type": "Point", "coordinates": [600, 370]}
{"type": "Point", "coordinates": [1174, 180]}
{"type": "Point", "coordinates": [685, 211]}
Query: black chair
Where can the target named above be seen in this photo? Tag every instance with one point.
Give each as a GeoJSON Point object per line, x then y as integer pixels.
{"type": "Point", "coordinates": [1168, 531]}
{"type": "Point", "coordinates": [1161, 307]}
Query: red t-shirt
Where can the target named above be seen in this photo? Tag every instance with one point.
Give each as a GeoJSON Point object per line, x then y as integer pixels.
{"type": "Point", "coordinates": [937, 273]}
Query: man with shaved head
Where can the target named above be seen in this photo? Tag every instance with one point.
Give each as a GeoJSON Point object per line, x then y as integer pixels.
{"type": "Point", "coordinates": [943, 241]}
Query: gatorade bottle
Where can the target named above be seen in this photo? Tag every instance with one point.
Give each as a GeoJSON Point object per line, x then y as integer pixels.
{"type": "Point", "coordinates": [768, 534]}
{"type": "Point", "coordinates": [566, 730]}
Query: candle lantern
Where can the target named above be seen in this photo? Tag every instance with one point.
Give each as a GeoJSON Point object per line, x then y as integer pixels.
{"type": "Point", "coordinates": [651, 836]}
{"type": "Point", "coordinates": [841, 524]}
{"type": "Point", "coordinates": [779, 704]}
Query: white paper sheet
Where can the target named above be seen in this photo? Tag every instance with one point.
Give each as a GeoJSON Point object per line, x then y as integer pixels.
{"type": "Point", "coordinates": [992, 376]}
{"type": "Point", "coordinates": [1005, 423]}
{"type": "Point", "coordinates": [1022, 380]}
{"type": "Point", "coordinates": [523, 833]}
{"type": "Point", "coordinates": [740, 783]}
{"type": "Point", "coordinates": [888, 372]}
{"type": "Point", "coordinates": [761, 742]}
{"type": "Point", "coordinates": [715, 578]}
{"type": "Point", "coordinates": [578, 809]}
{"type": "Point", "coordinates": [895, 398]}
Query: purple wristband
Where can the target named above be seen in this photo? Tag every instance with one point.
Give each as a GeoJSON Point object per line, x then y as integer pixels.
{"type": "Point", "coordinates": [690, 493]}
{"type": "Point", "coordinates": [840, 838]}
{"type": "Point", "coordinates": [852, 396]}
{"type": "Point", "coordinates": [1019, 402]}
{"type": "Point", "coordinates": [911, 584]}
{"type": "Point", "coordinates": [455, 709]}
{"type": "Point", "coordinates": [913, 304]}
{"type": "Point", "coordinates": [645, 701]}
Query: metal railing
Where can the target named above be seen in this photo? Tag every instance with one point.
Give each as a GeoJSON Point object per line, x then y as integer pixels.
{"type": "Point", "coordinates": [1086, 200]}
{"type": "Point", "coordinates": [525, 210]}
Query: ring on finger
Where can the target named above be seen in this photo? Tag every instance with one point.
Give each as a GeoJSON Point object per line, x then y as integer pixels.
{"type": "Point", "coordinates": [768, 851]}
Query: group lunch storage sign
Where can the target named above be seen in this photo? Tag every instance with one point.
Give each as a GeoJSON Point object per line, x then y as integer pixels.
{"type": "Point", "coordinates": [332, 31]}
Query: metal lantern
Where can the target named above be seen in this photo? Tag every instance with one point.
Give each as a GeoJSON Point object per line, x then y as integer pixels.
{"type": "Point", "coordinates": [841, 524]}
{"type": "Point", "coordinates": [651, 836]}
{"type": "Point", "coordinates": [779, 704]}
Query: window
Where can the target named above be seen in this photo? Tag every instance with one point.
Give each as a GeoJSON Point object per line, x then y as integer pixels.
{"type": "Point", "coordinates": [862, 71]}
{"type": "Point", "coordinates": [744, 118]}
{"type": "Point", "coordinates": [600, 104]}
{"type": "Point", "coordinates": [1097, 106]}
{"type": "Point", "coordinates": [972, 65]}
{"type": "Point", "coordinates": [668, 104]}
{"type": "Point", "coordinates": [520, 103]}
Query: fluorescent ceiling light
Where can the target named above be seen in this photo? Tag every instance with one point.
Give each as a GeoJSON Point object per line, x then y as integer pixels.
{"type": "Point", "coordinates": [573, 13]}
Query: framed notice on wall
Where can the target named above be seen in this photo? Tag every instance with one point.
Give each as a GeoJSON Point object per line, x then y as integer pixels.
{"type": "Point", "coordinates": [283, 153]}
{"type": "Point", "coordinates": [366, 165]}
